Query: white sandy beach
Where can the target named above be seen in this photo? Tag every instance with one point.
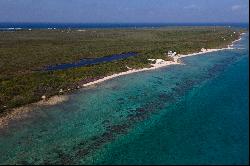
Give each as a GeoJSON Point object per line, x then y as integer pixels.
{"type": "Point", "coordinates": [161, 63]}
{"type": "Point", "coordinates": [23, 111]}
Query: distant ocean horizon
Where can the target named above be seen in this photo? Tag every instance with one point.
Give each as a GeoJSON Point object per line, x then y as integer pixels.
{"type": "Point", "coordinates": [16, 26]}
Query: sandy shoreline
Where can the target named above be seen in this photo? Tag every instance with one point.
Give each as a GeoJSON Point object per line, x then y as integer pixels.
{"type": "Point", "coordinates": [154, 66]}
{"type": "Point", "coordinates": [164, 64]}
{"type": "Point", "coordinates": [22, 112]}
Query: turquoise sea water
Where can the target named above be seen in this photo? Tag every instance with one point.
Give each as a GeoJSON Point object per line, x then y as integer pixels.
{"type": "Point", "coordinates": [195, 113]}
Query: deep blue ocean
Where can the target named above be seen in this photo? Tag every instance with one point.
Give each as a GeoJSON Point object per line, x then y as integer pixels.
{"type": "Point", "coordinates": [4, 26]}
{"type": "Point", "coordinates": [196, 113]}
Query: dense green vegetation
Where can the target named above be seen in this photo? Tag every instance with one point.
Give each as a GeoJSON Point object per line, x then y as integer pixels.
{"type": "Point", "coordinates": [22, 53]}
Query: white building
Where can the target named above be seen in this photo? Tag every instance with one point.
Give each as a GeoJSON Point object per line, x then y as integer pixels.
{"type": "Point", "coordinates": [203, 50]}
{"type": "Point", "coordinates": [171, 53]}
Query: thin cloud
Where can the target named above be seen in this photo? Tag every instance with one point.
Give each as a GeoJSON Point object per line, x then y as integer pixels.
{"type": "Point", "coordinates": [236, 7]}
{"type": "Point", "coordinates": [192, 7]}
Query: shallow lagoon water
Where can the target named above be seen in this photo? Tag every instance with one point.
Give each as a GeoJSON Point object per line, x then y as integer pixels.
{"type": "Point", "coordinates": [195, 113]}
{"type": "Point", "coordinates": [91, 61]}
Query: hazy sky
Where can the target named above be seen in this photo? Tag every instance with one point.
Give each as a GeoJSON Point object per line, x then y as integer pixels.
{"type": "Point", "coordinates": [81, 11]}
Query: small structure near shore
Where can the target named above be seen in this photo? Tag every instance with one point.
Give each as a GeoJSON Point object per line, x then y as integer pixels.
{"type": "Point", "coordinates": [61, 91]}
{"type": "Point", "coordinates": [203, 50]}
{"type": "Point", "coordinates": [171, 53]}
{"type": "Point", "coordinates": [43, 97]}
